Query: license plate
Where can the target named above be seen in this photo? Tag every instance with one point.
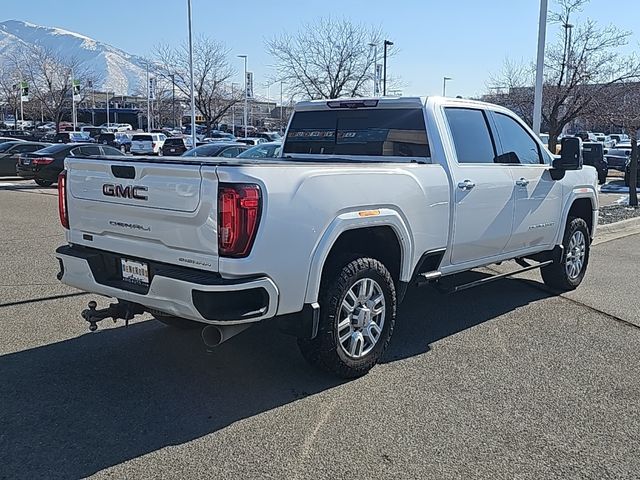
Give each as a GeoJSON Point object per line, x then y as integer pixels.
{"type": "Point", "coordinates": [135, 272]}
{"type": "Point", "coordinates": [172, 149]}
{"type": "Point", "coordinates": [26, 162]}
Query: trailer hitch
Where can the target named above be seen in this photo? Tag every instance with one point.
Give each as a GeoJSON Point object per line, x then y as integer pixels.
{"type": "Point", "coordinates": [120, 310]}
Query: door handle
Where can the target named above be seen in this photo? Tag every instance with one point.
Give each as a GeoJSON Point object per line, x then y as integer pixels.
{"type": "Point", "coordinates": [466, 185]}
{"type": "Point", "coordinates": [522, 182]}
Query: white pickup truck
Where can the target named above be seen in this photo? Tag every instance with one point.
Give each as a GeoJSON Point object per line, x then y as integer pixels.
{"type": "Point", "coordinates": [368, 197]}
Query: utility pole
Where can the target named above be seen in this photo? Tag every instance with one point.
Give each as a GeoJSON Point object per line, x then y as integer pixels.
{"type": "Point", "coordinates": [173, 98]}
{"type": "Point", "coordinates": [107, 94]}
{"type": "Point", "coordinates": [387, 43]}
{"type": "Point", "coordinates": [194, 137]}
{"type": "Point", "coordinates": [246, 94]}
{"type": "Point", "coordinates": [281, 106]}
{"type": "Point", "coordinates": [537, 96]}
{"type": "Point", "coordinates": [444, 85]}
{"type": "Point", "coordinates": [148, 101]}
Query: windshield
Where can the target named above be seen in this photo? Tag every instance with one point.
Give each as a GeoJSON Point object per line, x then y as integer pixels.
{"type": "Point", "coordinates": [204, 151]}
{"type": "Point", "coordinates": [52, 149]}
{"type": "Point", "coordinates": [377, 132]}
{"type": "Point", "coordinates": [6, 146]}
{"type": "Point", "coordinates": [262, 151]}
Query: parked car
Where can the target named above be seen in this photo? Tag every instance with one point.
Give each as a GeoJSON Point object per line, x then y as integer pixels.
{"type": "Point", "coordinates": [177, 145]}
{"type": "Point", "coordinates": [147, 143]}
{"type": "Point", "coordinates": [72, 137]}
{"type": "Point", "coordinates": [217, 149]}
{"type": "Point", "coordinates": [586, 136]}
{"type": "Point", "coordinates": [119, 140]}
{"type": "Point", "coordinates": [269, 136]}
{"type": "Point", "coordinates": [593, 154]}
{"type": "Point", "coordinates": [45, 165]}
{"type": "Point", "coordinates": [605, 140]}
{"type": "Point", "coordinates": [10, 151]}
{"type": "Point", "coordinates": [93, 132]}
{"type": "Point", "coordinates": [17, 134]}
{"type": "Point", "coordinates": [617, 157]}
{"type": "Point", "coordinates": [264, 150]}
{"type": "Point", "coordinates": [251, 140]}
{"type": "Point", "coordinates": [324, 241]}
{"type": "Point", "coordinates": [217, 135]}
{"type": "Point", "coordinates": [620, 137]}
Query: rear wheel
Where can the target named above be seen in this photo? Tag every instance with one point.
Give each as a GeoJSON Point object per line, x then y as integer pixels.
{"type": "Point", "coordinates": [177, 322]}
{"type": "Point", "coordinates": [357, 315]}
{"type": "Point", "coordinates": [569, 272]}
{"type": "Point", "coordinates": [43, 183]}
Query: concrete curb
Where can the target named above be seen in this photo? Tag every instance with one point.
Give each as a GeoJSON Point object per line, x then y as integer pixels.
{"type": "Point", "coordinates": [613, 231]}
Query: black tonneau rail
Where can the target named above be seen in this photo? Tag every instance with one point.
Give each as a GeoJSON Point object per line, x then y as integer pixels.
{"type": "Point", "coordinates": [238, 162]}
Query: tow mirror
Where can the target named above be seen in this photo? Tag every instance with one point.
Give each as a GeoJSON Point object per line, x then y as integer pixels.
{"type": "Point", "coordinates": [570, 154]}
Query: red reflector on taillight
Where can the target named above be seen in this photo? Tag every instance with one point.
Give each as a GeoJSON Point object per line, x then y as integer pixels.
{"type": "Point", "coordinates": [42, 161]}
{"type": "Point", "coordinates": [239, 206]}
{"type": "Point", "coordinates": [62, 199]}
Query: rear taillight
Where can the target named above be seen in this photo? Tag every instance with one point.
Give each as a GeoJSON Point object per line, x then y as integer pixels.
{"type": "Point", "coordinates": [239, 206]}
{"type": "Point", "coordinates": [42, 161]}
{"type": "Point", "coordinates": [62, 199]}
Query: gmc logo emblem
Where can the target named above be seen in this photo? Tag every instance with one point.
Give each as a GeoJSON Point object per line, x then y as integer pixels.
{"type": "Point", "coordinates": [130, 191]}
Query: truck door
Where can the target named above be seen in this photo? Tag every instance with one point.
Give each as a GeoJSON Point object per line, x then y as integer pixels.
{"type": "Point", "coordinates": [483, 190]}
{"type": "Point", "coordinates": [538, 198]}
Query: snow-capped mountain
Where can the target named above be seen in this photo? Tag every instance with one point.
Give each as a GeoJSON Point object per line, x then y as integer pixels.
{"type": "Point", "coordinates": [116, 70]}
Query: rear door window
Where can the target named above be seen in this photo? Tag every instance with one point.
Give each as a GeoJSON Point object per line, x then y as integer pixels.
{"type": "Point", "coordinates": [376, 132]}
{"type": "Point", "coordinates": [471, 135]}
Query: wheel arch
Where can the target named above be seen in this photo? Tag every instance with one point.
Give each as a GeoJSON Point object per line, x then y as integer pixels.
{"type": "Point", "coordinates": [380, 233]}
{"type": "Point", "coordinates": [582, 204]}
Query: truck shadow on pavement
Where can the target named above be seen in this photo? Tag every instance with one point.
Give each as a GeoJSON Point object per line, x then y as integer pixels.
{"type": "Point", "coordinates": [73, 408]}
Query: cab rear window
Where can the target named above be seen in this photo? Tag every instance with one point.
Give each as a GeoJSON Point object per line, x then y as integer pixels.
{"type": "Point", "coordinates": [372, 132]}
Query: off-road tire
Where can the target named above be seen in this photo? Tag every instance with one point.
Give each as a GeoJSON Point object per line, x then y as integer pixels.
{"type": "Point", "coordinates": [555, 275]}
{"type": "Point", "coordinates": [325, 351]}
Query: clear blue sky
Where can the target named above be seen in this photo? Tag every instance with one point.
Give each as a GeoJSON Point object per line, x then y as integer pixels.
{"type": "Point", "coordinates": [463, 39]}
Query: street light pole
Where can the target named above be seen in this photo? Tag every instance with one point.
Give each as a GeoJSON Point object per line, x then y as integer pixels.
{"type": "Point", "coordinates": [281, 105]}
{"type": "Point", "coordinates": [537, 96]}
{"type": "Point", "coordinates": [375, 68]}
{"type": "Point", "coordinates": [194, 138]}
{"type": "Point", "coordinates": [387, 43]}
{"type": "Point", "coordinates": [246, 94]}
{"type": "Point", "coordinates": [173, 98]}
{"type": "Point", "coordinates": [444, 85]}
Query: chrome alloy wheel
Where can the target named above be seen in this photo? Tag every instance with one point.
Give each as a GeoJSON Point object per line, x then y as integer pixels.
{"type": "Point", "coordinates": [575, 255]}
{"type": "Point", "coordinates": [361, 318]}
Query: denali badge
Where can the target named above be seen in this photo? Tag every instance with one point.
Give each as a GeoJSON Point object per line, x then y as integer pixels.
{"type": "Point", "coordinates": [130, 191]}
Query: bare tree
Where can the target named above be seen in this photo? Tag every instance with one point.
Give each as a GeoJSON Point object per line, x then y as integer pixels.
{"type": "Point", "coordinates": [580, 68]}
{"type": "Point", "coordinates": [50, 76]}
{"type": "Point", "coordinates": [328, 58]}
{"type": "Point", "coordinates": [9, 88]}
{"type": "Point", "coordinates": [624, 111]}
{"type": "Point", "coordinates": [212, 75]}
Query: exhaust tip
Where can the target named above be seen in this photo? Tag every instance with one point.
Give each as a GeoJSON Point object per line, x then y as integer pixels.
{"type": "Point", "coordinates": [212, 336]}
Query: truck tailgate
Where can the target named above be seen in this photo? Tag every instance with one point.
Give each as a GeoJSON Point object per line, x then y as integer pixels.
{"type": "Point", "coordinates": [163, 211]}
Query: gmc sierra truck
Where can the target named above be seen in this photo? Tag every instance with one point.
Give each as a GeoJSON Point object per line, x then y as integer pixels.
{"type": "Point", "coordinates": [368, 197]}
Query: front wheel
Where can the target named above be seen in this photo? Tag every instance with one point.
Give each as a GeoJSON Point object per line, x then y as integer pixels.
{"type": "Point", "coordinates": [568, 273]}
{"type": "Point", "coordinates": [357, 315]}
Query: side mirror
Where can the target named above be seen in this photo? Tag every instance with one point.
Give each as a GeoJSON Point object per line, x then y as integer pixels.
{"type": "Point", "coordinates": [570, 155]}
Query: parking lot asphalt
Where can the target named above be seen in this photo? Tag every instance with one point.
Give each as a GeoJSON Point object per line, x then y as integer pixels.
{"type": "Point", "coordinates": [500, 382]}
